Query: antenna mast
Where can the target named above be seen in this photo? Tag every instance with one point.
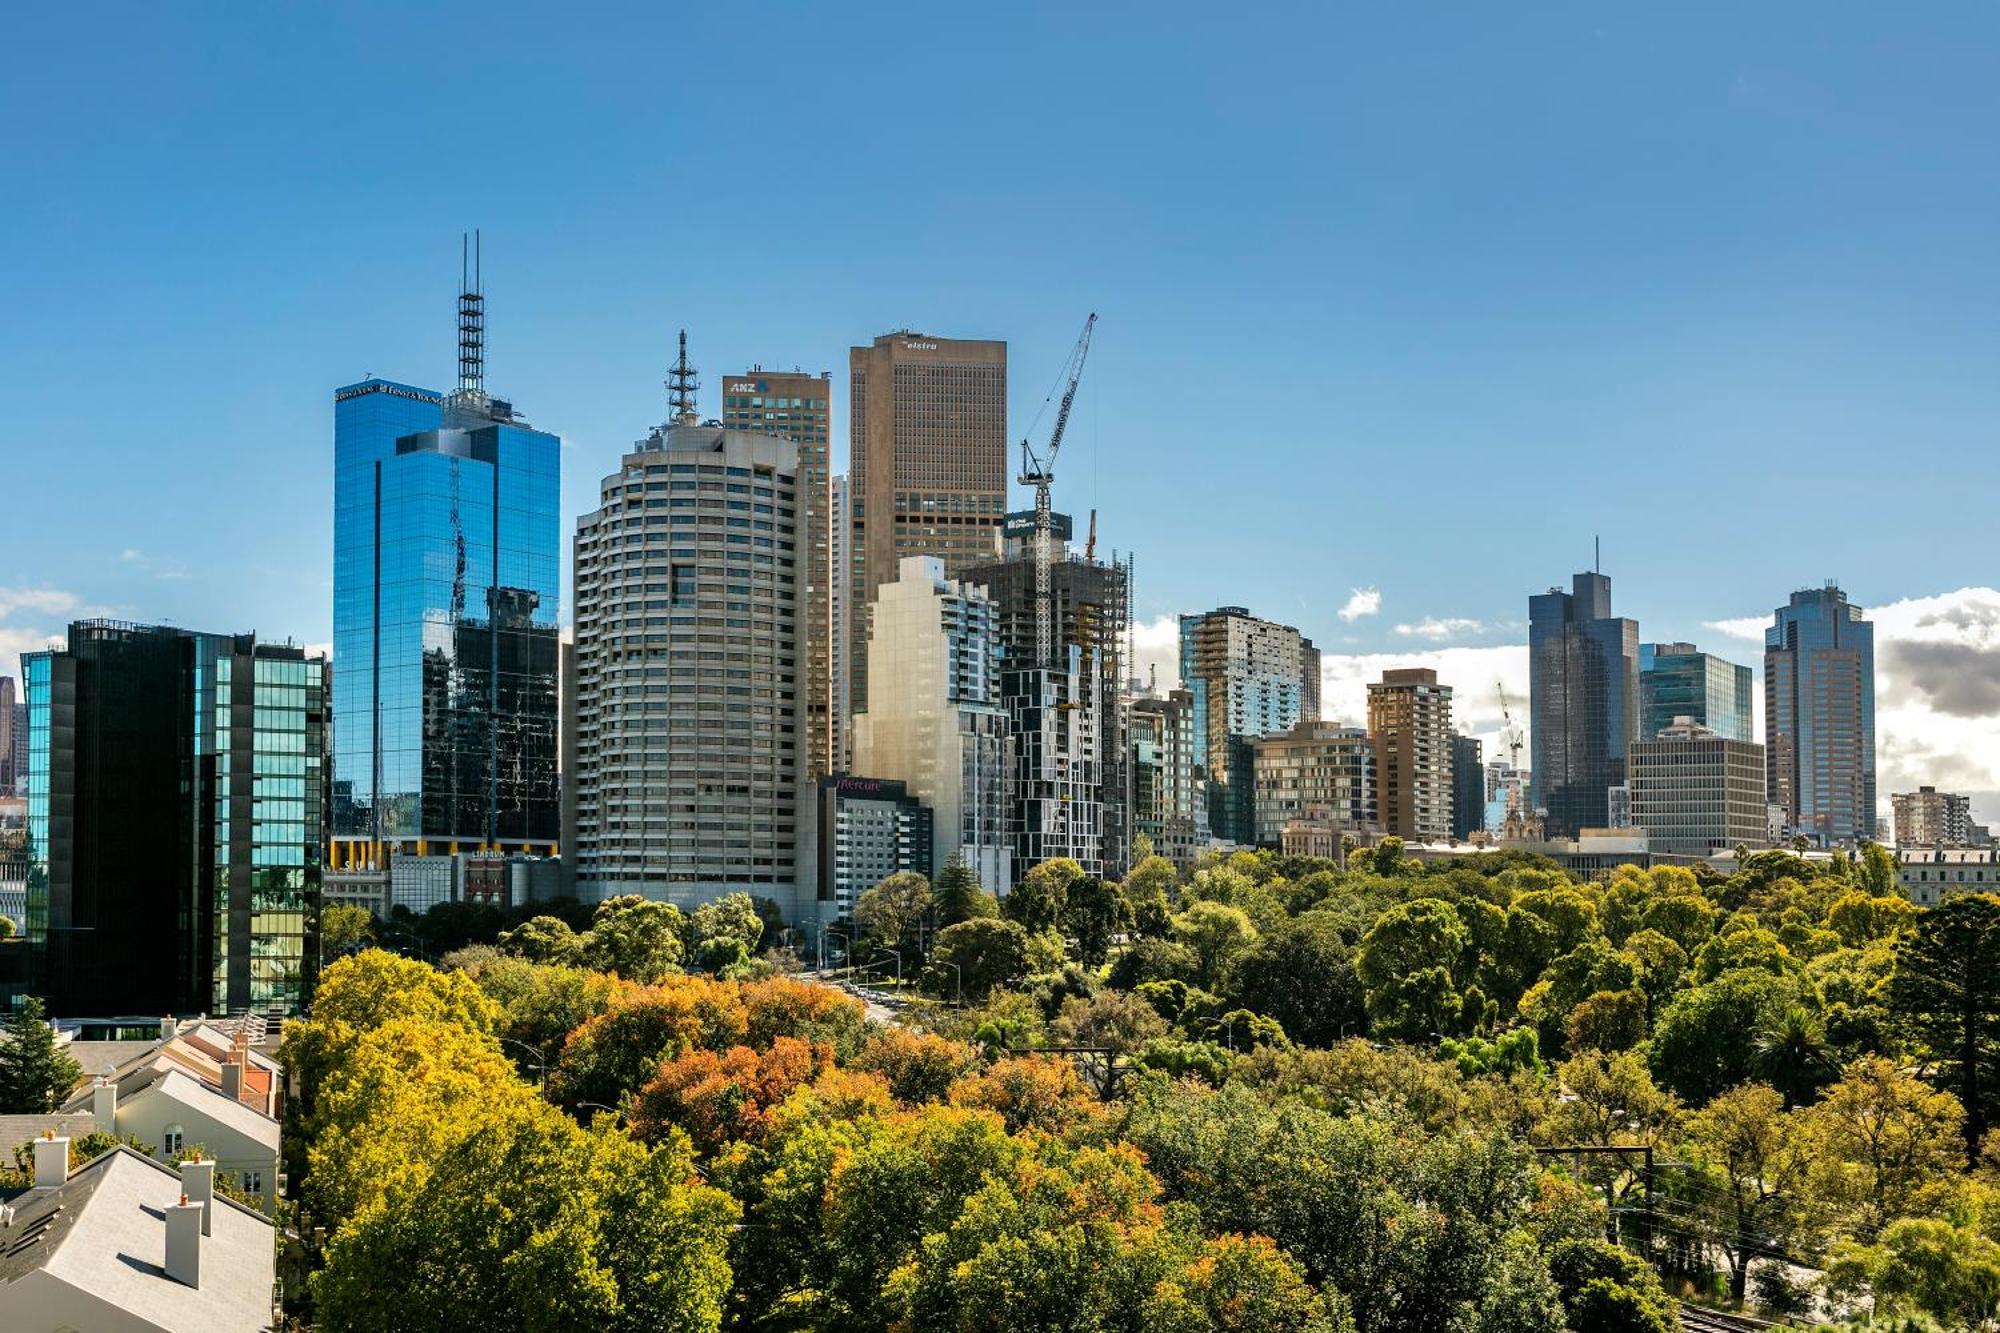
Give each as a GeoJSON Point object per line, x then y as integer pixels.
{"type": "Point", "coordinates": [681, 387]}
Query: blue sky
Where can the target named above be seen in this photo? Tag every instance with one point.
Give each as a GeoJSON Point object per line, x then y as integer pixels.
{"type": "Point", "coordinates": [1411, 302]}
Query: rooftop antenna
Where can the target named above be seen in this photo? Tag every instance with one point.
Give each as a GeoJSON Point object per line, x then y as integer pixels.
{"type": "Point", "coordinates": [1597, 555]}
{"type": "Point", "coordinates": [681, 387]}
{"type": "Point", "coordinates": [471, 317]}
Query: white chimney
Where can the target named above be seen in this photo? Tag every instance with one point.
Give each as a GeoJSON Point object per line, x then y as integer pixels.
{"type": "Point", "coordinates": [104, 1105]}
{"type": "Point", "coordinates": [232, 1080]}
{"type": "Point", "coordinates": [167, 1028]}
{"type": "Point", "coordinates": [51, 1162]}
{"type": "Point", "coordinates": [198, 1186]}
{"type": "Point", "coordinates": [184, 1242]}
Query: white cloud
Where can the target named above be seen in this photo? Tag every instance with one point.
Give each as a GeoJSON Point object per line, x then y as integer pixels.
{"type": "Point", "coordinates": [1743, 627]}
{"type": "Point", "coordinates": [47, 601]}
{"type": "Point", "coordinates": [1436, 630]}
{"type": "Point", "coordinates": [1364, 602]}
{"type": "Point", "coordinates": [131, 554]}
{"type": "Point", "coordinates": [1156, 651]}
{"type": "Point", "coordinates": [1476, 675]}
{"type": "Point", "coordinates": [319, 650]}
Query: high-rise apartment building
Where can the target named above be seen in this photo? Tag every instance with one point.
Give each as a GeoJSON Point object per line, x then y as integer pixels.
{"type": "Point", "coordinates": [840, 598]}
{"type": "Point", "coordinates": [1677, 680]}
{"type": "Point", "coordinates": [1583, 685]}
{"type": "Point", "coordinates": [176, 821]}
{"type": "Point", "coordinates": [935, 721]}
{"type": "Point", "coordinates": [1468, 787]}
{"type": "Point", "coordinates": [446, 576]}
{"type": "Point", "coordinates": [690, 663]}
{"type": "Point", "coordinates": [1316, 772]}
{"type": "Point", "coordinates": [1696, 791]}
{"type": "Point", "coordinates": [1819, 715]}
{"type": "Point", "coordinates": [1409, 719]}
{"type": "Point", "coordinates": [793, 405]}
{"type": "Point", "coordinates": [1168, 805]}
{"type": "Point", "coordinates": [1928, 817]}
{"type": "Point", "coordinates": [1068, 718]}
{"type": "Point", "coordinates": [1248, 678]}
{"type": "Point", "coordinates": [927, 463]}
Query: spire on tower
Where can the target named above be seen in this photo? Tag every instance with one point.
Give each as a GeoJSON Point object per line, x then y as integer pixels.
{"type": "Point", "coordinates": [471, 317]}
{"type": "Point", "coordinates": [681, 387]}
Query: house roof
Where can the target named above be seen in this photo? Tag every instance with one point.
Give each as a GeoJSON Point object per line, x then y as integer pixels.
{"type": "Point", "coordinates": [16, 1130]}
{"type": "Point", "coordinates": [104, 1233]}
{"type": "Point", "coordinates": [200, 1099]}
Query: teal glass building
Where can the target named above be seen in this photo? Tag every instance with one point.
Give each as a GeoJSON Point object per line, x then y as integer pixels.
{"type": "Point", "coordinates": [1677, 680]}
{"type": "Point", "coordinates": [176, 793]}
{"type": "Point", "coordinates": [445, 620]}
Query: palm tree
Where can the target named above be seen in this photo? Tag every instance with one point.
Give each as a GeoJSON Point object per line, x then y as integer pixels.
{"type": "Point", "coordinates": [1793, 1057]}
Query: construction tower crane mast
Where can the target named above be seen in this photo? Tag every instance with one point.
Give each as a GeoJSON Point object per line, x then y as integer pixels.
{"type": "Point", "coordinates": [1039, 471]}
{"type": "Point", "coordinates": [1510, 734]}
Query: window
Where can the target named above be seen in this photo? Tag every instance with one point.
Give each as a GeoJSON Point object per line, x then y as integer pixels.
{"type": "Point", "coordinates": [171, 1140]}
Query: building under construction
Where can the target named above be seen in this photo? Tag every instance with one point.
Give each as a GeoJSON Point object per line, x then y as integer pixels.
{"type": "Point", "coordinates": [1072, 763]}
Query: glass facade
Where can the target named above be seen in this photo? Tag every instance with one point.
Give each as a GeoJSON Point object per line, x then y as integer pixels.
{"type": "Point", "coordinates": [176, 821]}
{"type": "Point", "coordinates": [1819, 716]}
{"type": "Point", "coordinates": [1677, 681]}
{"type": "Point", "coordinates": [1583, 683]}
{"type": "Point", "coordinates": [446, 601]}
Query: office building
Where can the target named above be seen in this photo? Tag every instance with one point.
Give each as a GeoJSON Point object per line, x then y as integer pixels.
{"type": "Point", "coordinates": [1583, 685]}
{"type": "Point", "coordinates": [1468, 787]}
{"type": "Point", "coordinates": [1677, 680]}
{"type": "Point", "coordinates": [935, 720]}
{"type": "Point", "coordinates": [1319, 774]}
{"type": "Point", "coordinates": [13, 738]}
{"type": "Point", "coordinates": [1248, 678]}
{"type": "Point", "coordinates": [1068, 718]}
{"type": "Point", "coordinates": [1507, 798]}
{"type": "Point", "coordinates": [1169, 807]}
{"type": "Point", "coordinates": [927, 464]}
{"type": "Point", "coordinates": [176, 820]}
{"type": "Point", "coordinates": [793, 405]}
{"type": "Point", "coordinates": [1409, 719]}
{"type": "Point", "coordinates": [446, 567]}
{"type": "Point", "coordinates": [1819, 716]}
{"type": "Point", "coordinates": [869, 829]}
{"type": "Point", "coordinates": [690, 664]}
{"type": "Point", "coordinates": [1696, 792]}
{"type": "Point", "coordinates": [1928, 817]}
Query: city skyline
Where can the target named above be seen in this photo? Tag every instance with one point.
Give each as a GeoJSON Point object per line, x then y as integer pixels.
{"type": "Point", "coordinates": [1457, 296]}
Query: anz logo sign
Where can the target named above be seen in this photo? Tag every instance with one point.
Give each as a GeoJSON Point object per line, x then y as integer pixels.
{"type": "Point", "coordinates": [746, 386]}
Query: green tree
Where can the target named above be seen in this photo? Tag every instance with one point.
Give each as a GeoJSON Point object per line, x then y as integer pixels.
{"type": "Point", "coordinates": [1610, 1020]}
{"type": "Point", "coordinates": [1791, 1054]}
{"type": "Point", "coordinates": [1093, 911]}
{"type": "Point", "coordinates": [1217, 934]}
{"type": "Point", "coordinates": [1302, 974]}
{"type": "Point", "coordinates": [1706, 1038]}
{"type": "Point", "coordinates": [344, 928]}
{"type": "Point", "coordinates": [1752, 1160]}
{"type": "Point", "coordinates": [959, 895]}
{"type": "Point", "coordinates": [639, 939]}
{"type": "Point", "coordinates": [1886, 1143]}
{"type": "Point", "coordinates": [732, 916]}
{"type": "Point", "coordinates": [544, 939]}
{"type": "Point", "coordinates": [1406, 965]}
{"type": "Point", "coordinates": [892, 911]}
{"type": "Point", "coordinates": [980, 955]}
{"type": "Point", "coordinates": [1037, 902]}
{"type": "Point", "coordinates": [1928, 1265]}
{"type": "Point", "coordinates": [1947, 989]}
{"type": "Point", "coordinates": [1878, 871]}
{"type": "Point", "coordinates": [1149, 891]}
{"type": "Point", "coordinates": [36, 1074]}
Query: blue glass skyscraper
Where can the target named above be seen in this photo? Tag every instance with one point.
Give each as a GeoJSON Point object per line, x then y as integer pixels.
{"type": "Point", "coordinates": [447, 546]}
{"type": "Point", "coordinates": [1676, 680]}
{"type": "Point", "coordinates": [1583, 685]}
{"type": "Point", "coordinates": [1819, 715]}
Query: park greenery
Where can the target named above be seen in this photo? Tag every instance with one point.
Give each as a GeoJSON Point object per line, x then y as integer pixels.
{"type": "Point", "coordinates": [1260, 1093]}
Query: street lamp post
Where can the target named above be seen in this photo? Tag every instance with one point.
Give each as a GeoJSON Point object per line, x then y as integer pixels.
{"type": "Point", "coordinates": [540, 1062]}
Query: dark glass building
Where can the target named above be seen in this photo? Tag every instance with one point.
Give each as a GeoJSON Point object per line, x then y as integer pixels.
{"type": "Point", "coordinates": [1583, 685]}
{"type": "Point", "coordinates": [176, 821]}
{"type": "Point", "coordinates": [1819, 716]}
{"type": "Point", "coordinates": [447, 552]}
{"type": "Point", "coordinates": [1468, 787]}
{"type": "Point", "coordinates": [1678, 681]}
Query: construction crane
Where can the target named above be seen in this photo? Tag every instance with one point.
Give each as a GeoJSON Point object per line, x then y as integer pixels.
{"type": "Point", "coordinates": [1510, 734]}
{"type": "Point", "coordinates": [1039, 471]}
